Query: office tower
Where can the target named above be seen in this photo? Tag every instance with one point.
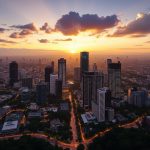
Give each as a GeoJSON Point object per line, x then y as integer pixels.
{"type": "Point", "coordinates": [58, 88]}
{"type": "Point", "coordinates": [114, 79]}
{"type": "Point", "coordinates": [109, 61]}
{"type": "Point", "coordinates": [42, 91]}
{"type": "Point", "coordinates": [27, 82]}
{"type": "Point", "coordinates": [53, 78]}
{"type": "Point", "coordinates": [53, 66]}
{"type": "Point", "coordinates": [84, 63]}
{"type": "Point", "coordinates": [107, 97]}
{"type": "Point", "coordinates": [62, 70]}
{"type": "Point", "coordinates": [98, 106]}
{"type": "Point", "coordinates": [91, 81]}
{"type": "Point", "coordinates": [48, 70]}
{"type": "Point", "coordinates": [13, 73]}
{"type": "Point", "coordinates": [77, 74]}
{"type": "Point", "coordinates": [137, 97]}
{"type": "Point", "coordinates": [95, 67]}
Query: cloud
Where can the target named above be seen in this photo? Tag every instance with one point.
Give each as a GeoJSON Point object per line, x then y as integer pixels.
{"type": "Point", "coordinates": [63, 40]}
{"type": "Point", "coordinates": [73, 23]}
{"type": "Point", "coordinates": [16, 35]}
{"type": "Point", "coordinates": [2, 30]}
{"type": "Point", "coordinates": [46, 28]}
{"type": "Point", "coordinates": [7, 41]}
{"type": "Point", "coordinates": [139, 45]}
{"type": "Point", "coordinates": [26, 32]}
{"type": "Point", "coordinates": [136, 28]}
{"type": "Point", "coordinates": [21, 34]}
{"type": "Point", "coordinates": [147, 42]}
{"type": "Point", "coordinates": [30, 26]}
{"type": "Point", "coordinates": [43, 41]}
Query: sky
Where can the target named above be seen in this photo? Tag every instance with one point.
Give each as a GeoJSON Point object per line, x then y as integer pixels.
{"type": "Point", "coordinates": [102, 26]}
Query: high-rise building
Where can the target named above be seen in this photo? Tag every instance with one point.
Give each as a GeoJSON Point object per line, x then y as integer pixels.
{"type": "Point", "coordinates": [77, 74]}
{"type": "Point", "coordinates": [27, 82]}
{"type": "Point", "coordinates": [62, 70]}
{"type": "Point", "coordinates": [58, 88]}
{"type": "Point", "coordinates": [53, 67]}
{"type": "Point", "coordinates": [53, 78]}
{"type": "Point", "coordinates": [137, 97]}
{"type": "Point", "coordinates": [98, 106]}
{"type": "Point", "coordinates": [42, 91]}
{"type": "Point", "coordinates": [114, 79]}
{"type": "Point", "coordinates": [91, 81]}
{"type": "Point", "coordinates": [84, 63]}
{"type": "Point", "coordinates": [95, 67]}
{"type": "Point", "coordinates": [13, 73]}
{"type": "Point", "coordinates": [48, 70]}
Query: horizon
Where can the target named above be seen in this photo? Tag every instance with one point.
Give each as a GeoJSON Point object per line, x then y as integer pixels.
{"type": "Point", "coordinates": [109, 28]}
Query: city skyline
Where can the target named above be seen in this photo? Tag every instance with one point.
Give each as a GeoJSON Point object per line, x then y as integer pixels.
{"type": "Point", "coordinates": [110, 27]}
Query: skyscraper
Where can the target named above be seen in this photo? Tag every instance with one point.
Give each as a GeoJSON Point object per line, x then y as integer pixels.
{"type": "Point", "coordinates": [13, 73]}
{"type": "Point", "coordinates": [84, 63]}
{"type": "Point", "coordinates": [98, 106]}
{"type": "Point", "coordinates": [62, 70]}
{"type": "Point", "coordinates": [42, 91]}
{"type": "Point", "coordinates": [48, 70]}
{"type": "Point", "coordinates": [91, 81]}
{"type": "Point", "coordinates": [114, 79]}
{"type": "Point", "coordinates": [58, 89]}
{"type": "Point", "coordinates": [77, 74]}
{"type": "Point", "coordinates": [52, 64]}
{"type": "Point", "coordinates": [95, 67]}
{"type": "Point", "coordinates": [53, 78]}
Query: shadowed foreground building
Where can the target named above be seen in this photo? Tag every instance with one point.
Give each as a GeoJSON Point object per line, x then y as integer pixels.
{"type": "Point", "coordinates": [13, 73]}
{"type": "Point", "coordinates": [62, 71]}
{"type": "Point", "coordinates": [114, 78]}
{"type": "Point", "coordinates": [42, 91]}
{"type": "Point", "coordinates": [84, 63]}
{"type": "Point", "coordinates": [91, 81]}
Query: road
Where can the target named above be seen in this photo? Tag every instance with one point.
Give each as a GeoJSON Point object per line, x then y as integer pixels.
{"type": "Point", "coordinates": [74, 142]}
{"type": "Point", "coordinates": [73, 124]}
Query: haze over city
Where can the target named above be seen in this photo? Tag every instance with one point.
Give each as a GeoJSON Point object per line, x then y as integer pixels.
{"type": "Point", "coordinates": [74, 74]}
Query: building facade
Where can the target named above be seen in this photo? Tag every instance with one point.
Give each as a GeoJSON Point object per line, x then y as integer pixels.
{"type": "Point", "coordinates": [53, 78]}
{"type": "Point", "coordinates": [98, 107]}
{"type": "Point", "coordinates": [91, 81]}
{"type": "Point", "coordinates": [114, 79]}
{"type": "Point", "coordinates": [13, 73]}
{"type": "Point", "coordinates": [62, 70]}
{"type": "Point", "coordinates": [42, 91]}
{"type": "Point", "coordinates": [84, 63]}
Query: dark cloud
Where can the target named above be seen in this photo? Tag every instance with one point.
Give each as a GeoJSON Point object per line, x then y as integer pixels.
{"type": "Point", "coordinates": [46, 28]}
{"type": "Point", "coordinates": [30, 26]}
{"type": "Point", "coordinates": [2, 30]}
{"type": "Point", "coordinates": [138, 27]}
{"type": "Point", "coordinates": [16, 35]}
{"type": "Point", "coordinates": [43, 41]}
{"type": "Point", "coordinates": [63, 40]}
{"type": "Point", "coordinates": [21, 34]}
{"type": "Point", "coordinates": [73, 23]}
{"type": "Point", "coordinates": [7, 41]}
{"type": "Point", "coordinates": [25, 32]}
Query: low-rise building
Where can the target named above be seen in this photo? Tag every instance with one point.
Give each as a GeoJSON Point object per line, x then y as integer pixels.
{"type": "Point", "coordinates": [88, 117]}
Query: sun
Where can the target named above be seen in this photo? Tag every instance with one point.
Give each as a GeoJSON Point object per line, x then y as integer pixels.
{"type": "Point", "coordinates": [73, 51]}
